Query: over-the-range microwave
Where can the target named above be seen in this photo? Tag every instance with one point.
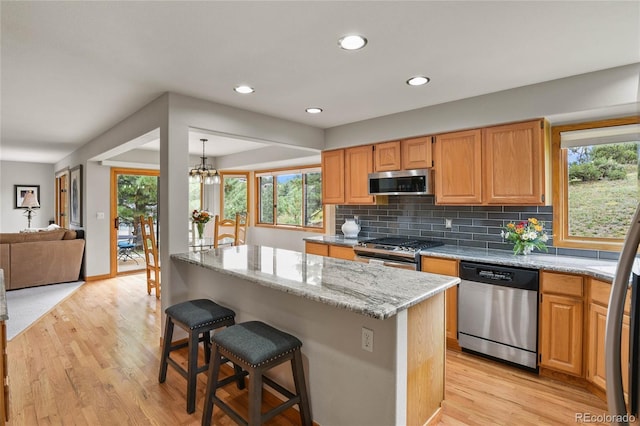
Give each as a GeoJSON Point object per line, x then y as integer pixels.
{"type": "Point", "coordinates": [402, 182]}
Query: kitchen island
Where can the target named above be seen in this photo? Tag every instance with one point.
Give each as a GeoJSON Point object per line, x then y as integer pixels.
{"type": "Point", "coordinates": [328, 303]}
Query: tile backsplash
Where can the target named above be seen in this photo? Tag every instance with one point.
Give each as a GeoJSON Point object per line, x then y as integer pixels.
{"type": "Point", "coordinates": [472, 226]}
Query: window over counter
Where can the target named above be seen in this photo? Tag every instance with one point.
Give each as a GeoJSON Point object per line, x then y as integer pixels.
{"type": "Point", "coordinates": [290, 198]}
{"type": "Point", "coordinates": [234, 194]}
{"type": "Point", "coordinates": [596, 179]}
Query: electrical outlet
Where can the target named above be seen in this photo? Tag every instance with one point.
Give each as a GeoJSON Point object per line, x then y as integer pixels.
{"type": "Point", "coordinates": [367, 339]}
{"type": "Point", "coordinates": [448, 223]}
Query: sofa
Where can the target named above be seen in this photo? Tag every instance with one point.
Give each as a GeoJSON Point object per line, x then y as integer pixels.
{"type": "Point", "coordinates": [32, 259]}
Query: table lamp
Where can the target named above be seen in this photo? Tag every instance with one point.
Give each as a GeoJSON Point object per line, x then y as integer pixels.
{"type": "Point", "coordinates": [30, 201]}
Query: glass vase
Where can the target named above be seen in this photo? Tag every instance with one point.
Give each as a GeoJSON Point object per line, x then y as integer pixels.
{"type": "Point", "coordinates": [200, 228]}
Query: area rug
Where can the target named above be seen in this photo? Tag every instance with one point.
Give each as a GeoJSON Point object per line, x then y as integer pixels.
{"type": "Point", "coordinates": [27, 305]}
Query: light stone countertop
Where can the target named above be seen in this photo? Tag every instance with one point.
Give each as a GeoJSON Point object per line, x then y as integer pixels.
{"type": "Point", "coordinates": [338, 240]}
{"type": "Point", "coordinates": [373, 290]}
{"type": "Point", "coordinates": [600, 269]}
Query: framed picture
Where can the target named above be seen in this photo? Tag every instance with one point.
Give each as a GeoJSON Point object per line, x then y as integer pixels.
{"type": "Point", "coordinates": [21, 191]}
{"type": "Point", "coordinates": [75, 196]}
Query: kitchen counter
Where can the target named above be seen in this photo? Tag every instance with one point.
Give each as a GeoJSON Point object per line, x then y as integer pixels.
{"type": "Point", "coordinates": [4, 314]}
{"type": "Point", "coordinates": [329, 304]}
{"type": "Point", "coordinates": [338, 240]}
{"type": "Point", "coordinates": [600, 269]}
{"type": "Point", "coordinates": [363, 288]}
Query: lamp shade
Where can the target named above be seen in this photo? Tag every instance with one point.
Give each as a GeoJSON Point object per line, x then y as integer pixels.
{"type": "Point", "coordinates": [30, 200]}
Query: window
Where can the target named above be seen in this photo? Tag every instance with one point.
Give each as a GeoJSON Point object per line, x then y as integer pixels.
{"type": "Point", "coordinates": [597, 182]}
{"type": "Point", "coordinates": [290, 198]}
{"type": "Point", "coordinates": [234, 194]}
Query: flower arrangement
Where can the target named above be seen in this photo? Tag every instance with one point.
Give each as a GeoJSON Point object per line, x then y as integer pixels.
{"type": "Point", "coordinates": [526, 235]}
{"type": "Point", "coordinates": [200, 217]}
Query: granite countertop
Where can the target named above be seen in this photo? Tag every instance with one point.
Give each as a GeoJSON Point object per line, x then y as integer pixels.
{"type": "Point", "coordinates": [600, 269]}
{"type": "Point", "coordinates": [4, 313]}
{"type": "Point", "coordinates": [338, 240]}
{"type": "Point", "coordinates": [373, 290]}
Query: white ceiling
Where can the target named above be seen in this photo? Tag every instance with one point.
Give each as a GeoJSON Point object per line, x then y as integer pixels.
{"type": "Point", "coordinates": [71, 70]}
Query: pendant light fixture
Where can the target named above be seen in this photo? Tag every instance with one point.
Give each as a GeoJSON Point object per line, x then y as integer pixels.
{"type": "Point", "coordinates": [204, 173]}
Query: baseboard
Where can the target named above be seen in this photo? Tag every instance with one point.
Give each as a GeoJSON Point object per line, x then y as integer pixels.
{"type": "Point", "coordinates": [98, 277]}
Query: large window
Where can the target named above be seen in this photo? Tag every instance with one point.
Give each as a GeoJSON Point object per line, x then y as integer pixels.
{"type": "Point", "coordinates": [597, 182]}
{"type": "Point", "coordinates": [234, 194]}
{"type": "Point", "coordinates": [290, 198]}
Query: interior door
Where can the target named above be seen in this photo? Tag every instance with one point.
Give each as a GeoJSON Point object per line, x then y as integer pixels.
{"type": "Point", "coordinates": [62, 203]}
{"type": "Point", "coordinates": [134, 192]}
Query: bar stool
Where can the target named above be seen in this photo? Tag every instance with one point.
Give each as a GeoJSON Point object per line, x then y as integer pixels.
{"type": "Point", "coordinates": [198, 317]}
{"type": "Point", "coordinates": [256, 347]}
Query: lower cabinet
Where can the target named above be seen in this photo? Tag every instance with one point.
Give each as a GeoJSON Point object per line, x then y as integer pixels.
{"type": "Point", "coordinates": [561, 321]}
{"type": "Point", "coordinates": [598, 306]}
{"type": "Point", "coordinates": [330, 250]}
{"type": "Point", "coordinates": [449, 267]}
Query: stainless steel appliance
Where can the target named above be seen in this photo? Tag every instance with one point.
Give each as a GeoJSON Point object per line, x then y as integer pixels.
{"type": "Point", "coordinates": [498, 312]}
{"type": "Point", "coordinates": [625, 279]}
{"type": "Point", "coordinates": [394, 251]}
{"type": "Point", "coordinates": [401, 182]}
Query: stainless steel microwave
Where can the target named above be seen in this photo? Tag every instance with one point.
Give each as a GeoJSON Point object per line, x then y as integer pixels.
{"type": "Point", "coordinates": [402, 182]}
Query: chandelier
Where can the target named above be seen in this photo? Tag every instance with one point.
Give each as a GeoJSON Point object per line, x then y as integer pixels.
{"type": "Point", "coordinates": [203, 172]}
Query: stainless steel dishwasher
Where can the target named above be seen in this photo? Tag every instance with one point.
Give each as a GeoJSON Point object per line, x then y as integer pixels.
{"type": "Point", "coordinates": [498, 312]}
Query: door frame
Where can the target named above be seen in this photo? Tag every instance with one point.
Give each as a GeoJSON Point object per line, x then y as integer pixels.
{"type": "Point", "coordinates": [113, 247]}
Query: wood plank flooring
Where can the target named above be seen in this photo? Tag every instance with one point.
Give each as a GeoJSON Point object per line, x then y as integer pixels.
{"type": "Point", "coordinates": [93, 360]}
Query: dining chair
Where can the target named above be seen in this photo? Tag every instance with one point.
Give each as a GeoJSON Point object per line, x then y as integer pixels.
{"type": "Point", "coordinates": [224, 232]}
{"type": "Point", "coordinates": [241, 229]}
{"type": "Point", "coordinates": [150, 254]}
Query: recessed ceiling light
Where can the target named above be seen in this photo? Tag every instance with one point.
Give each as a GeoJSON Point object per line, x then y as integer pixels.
{"type": "Point", "coordinates": [418, 80]}
{"type": "Point", "coordinates": [244, 89]}
{"type": "Point", "coordinates": [314, 110]}
{"type": "Point", "coordinates": [352, 42]}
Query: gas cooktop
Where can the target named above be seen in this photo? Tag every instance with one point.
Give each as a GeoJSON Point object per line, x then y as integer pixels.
{"type": "Point", "coordinates": [397, 244]}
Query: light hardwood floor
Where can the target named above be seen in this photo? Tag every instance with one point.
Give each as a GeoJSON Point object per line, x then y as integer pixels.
{"type": "Point", "coordinates": [93, 360]}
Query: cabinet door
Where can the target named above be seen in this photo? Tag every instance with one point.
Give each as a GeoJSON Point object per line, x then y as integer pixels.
{"type": "Point", "coordinates": [386, 156]}
{"type": "Point", "coordinates": [561, 333]}
{"type": "Point", "coordinates": [359, 163]}
{"type": "Point", "coordinates": [416, 153]}
{"type": "Point", "coordinates": [449, 267]}
{"type": "Point", "coordinates": [457, 164]}
{"type": "Point", "coordinates": [333, 177]}
{"type": "Point", "coordinates": [513, 164]}
{"type": "Point", "coordinates": [316, 248]}
{"type": "Point", "coordinates": [340, 252]}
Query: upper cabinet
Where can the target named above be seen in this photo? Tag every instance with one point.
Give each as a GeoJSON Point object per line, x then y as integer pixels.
{"type": "Point", "coordinates": [407, 154]}
{"type": "Point", "coordinates": [386, 156]}
{"type": "Point", "coordinates": [358, 165]}
{"type": "Point", "coordinates": [458, 167]}
{"type": "Point", "coordinates": [333, 177]}
{"type": "Point", "coordinates": [498, 165]}
{"type": "Point", "coordinates": [416, 153]}
{"type": "Point", "coordinates": [345, 175]}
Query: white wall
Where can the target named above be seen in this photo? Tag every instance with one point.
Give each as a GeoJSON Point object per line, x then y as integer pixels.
{"type": "Point", "coordinates": [18, 173]}
{"type": "Point", "coordinates": [588, 96]}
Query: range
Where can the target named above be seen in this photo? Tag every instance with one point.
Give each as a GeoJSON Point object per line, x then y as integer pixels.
{"type": "Point", "coordinates": [396, 252]}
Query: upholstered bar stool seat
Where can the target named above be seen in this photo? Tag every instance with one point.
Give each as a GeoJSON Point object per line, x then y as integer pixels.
{"type": "Point", "coordinates": [198, 318]}
{"type": "Point", "coordinates": [256, 347]}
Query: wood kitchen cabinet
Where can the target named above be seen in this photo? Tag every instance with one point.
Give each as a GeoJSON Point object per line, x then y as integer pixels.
{"type": "Point", "coordinates": [513, 163]}
{"type": "Point", "coordinates": [416, 153]}
{"type": "Point", "coordinates": [358, 164]}
{"type": "Point", "coordinates": [449, 267]}
{"type": "Point", "coordinates": [333, 177]}
{"type": "Point", "coordinates": [598, 307]}
{"type": "Point", "coordinates": [345, 175]}
{"type": "Point", "coordinates": [329, 250]}
{"type": "Point", "coordinates": [500, 165]}
{"type": "Point", "coordinates": [386, 156]}
{"type": "Point", "coordinates": [458, 167]}
{"type": "Point", "coordinates": [561, 322]}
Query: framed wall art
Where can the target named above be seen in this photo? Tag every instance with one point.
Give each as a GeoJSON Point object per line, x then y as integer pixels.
{"type": "Point", "coordinates": [21, 191]}
{"type": "Point", "coordinates": [75, 196]}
